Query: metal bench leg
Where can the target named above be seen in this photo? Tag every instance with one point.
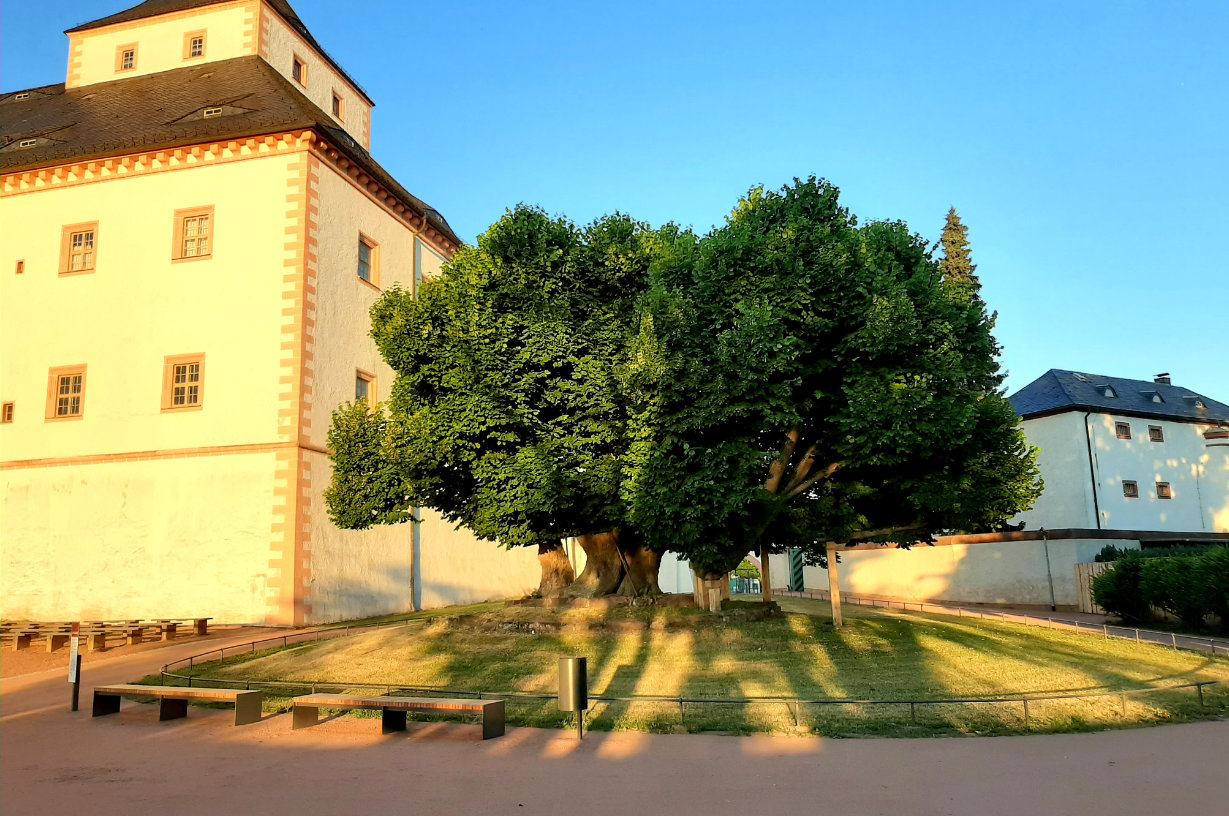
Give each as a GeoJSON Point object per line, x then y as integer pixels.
{"type": "Point", "coordinates": [248, 707]}
{"type": "Point", "coordinates": [105, 704]}
{"type": "Point", "coordinates": [393, 719]}
{"type": "Point", "coordinates": [493, 721]}
{"type": "Point", "coordinates": [172, 709]}
{"type": "Point", "coordinates": [304, 716]}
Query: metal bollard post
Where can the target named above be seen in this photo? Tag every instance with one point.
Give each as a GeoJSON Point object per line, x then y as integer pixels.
{"type": "Point", "coordinates": [574, 689]}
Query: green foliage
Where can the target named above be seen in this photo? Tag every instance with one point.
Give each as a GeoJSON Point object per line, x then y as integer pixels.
{"type": "Point", "coordinates": [957, 265]}
{"type": "Point", "coordinates": [793, 319]}
{"type": "Point", "coordinates": [747, 570]}
{"type": "Point", "coordinates": [1111, 553]}
{"type": "Point", "coordinates": [1118, 590]}
{"type": "Point", "coordinates": [1190, 587]}
{"type": "Point", "coordinates": [506, 414]}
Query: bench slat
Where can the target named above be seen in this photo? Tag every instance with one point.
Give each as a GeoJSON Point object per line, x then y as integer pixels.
{"type": "Point", "coordinates": [173, 700]}
{"type": "Point", "coordinates": [305, 711]}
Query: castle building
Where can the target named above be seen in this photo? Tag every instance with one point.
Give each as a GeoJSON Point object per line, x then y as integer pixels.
{"type": "Point", "coordinates": [192, 233]}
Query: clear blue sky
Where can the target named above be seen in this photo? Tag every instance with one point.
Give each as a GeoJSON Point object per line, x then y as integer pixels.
{"type": "Point", "coordinates": [1085, 144]}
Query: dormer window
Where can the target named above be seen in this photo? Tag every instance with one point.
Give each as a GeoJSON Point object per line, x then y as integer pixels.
{"type": "Point", "coordinates": [27, 143]}
{"type": "Point", "coordinates": [298, 71]}
{"type": "Point", "coordinates": [1107, 391]}
{"type": "Point", "coordinates": [194, 45]}
{"type": "Point", "coordinates": [1152, 395]}
{"type": "Point", "coordinates": [1196, 402]}
{"type": "Point", "coordinates": [22, 95]}
{"type": "Point", "coordinates": [1079, 376]}
{"type": "Point", "coordinates": [126, 57]}
{"type": "Point", "coordinates": [209, 112]}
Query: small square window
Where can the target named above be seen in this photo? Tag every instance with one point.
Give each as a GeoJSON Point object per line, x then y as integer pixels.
{"type": "Point", "coordinates": [1156, 433]}
{"type": "Point", "coordinates": [6, 413]}
{"type": "Point", "coordinates": [183, 382]}
{"type": "Point", "coordinates": [298, 71]}
{"type": "Point", "coordinates": [194, 230]}
{"type": "Point", "coordinates": [368, 260]}
{"type": "Point", "coordinates": [1122, 430]}
{"type": "Point", "coordinates": [339, 107]}
{"type": "Point", "coordinates": [66, 392]}
{"type": "Point", "coordinates": [79, 249]}
{"type": "Point", "coordinates": [193, 45]}
{"type": "Point", "coordinates": [365, 387]}
{"type": "Point", "coordinates": [1130, 490]}
{"type": "Point", "coordinates": [1163, 491]}
{"type": "Point", "coordinates": [126, 57]}
{"type": "Point", "coordinates": [21, 267]}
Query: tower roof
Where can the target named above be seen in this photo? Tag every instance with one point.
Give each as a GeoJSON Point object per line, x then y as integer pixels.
{"type": "Point", "coordinates": [166, 110]}
{"type": "Point", "coordinates": [155, 8]}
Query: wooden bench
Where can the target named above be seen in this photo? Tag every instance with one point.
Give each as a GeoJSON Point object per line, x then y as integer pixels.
{"type": "Point", "coordinates": [306, 710]}
{"type": "Point", "coordinates": [173, 700]}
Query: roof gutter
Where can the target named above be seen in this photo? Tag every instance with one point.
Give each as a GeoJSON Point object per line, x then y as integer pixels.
{"type": "Point", "coordinates": [1092, 471]}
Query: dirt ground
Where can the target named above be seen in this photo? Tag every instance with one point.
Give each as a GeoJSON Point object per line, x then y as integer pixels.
{"type": "Point", "coordinates": [54, 761]}
{"type": "Point", "coordinates": [38, 659]}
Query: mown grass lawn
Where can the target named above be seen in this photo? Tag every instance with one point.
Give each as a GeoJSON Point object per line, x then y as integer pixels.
{"type": "Point", "coordinates": [682, 653]}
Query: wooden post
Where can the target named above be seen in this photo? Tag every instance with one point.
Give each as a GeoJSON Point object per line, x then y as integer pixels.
{"type": "Point", "coordinates": [765, 580]}
{"type": "Point", "coordinates": [834, 587]}
{"type": "Point", "coordinates": [725, 587]}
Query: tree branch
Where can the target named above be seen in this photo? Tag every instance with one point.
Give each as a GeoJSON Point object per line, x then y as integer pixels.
{"type": "Point", "coordinates": [777, 470]}
{"type": "Point", "coordinates": [871, 535]}
{"type": "Point", "coordinates": [823, 474]}
{"type": "Point", "coordinates": [802, 469]}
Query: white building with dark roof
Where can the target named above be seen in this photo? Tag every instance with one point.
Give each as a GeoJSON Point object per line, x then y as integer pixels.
{"type": "Point", "coordinates": [1121, 454]}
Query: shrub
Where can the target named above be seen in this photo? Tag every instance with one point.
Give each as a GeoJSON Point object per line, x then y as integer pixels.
{"type": "Point", "coordinates": [1118, 590]}
{"type": "Point", "coordinates": [1108, 553]}
{"type": "Point", "coordinates": [1176, 585]}
{"type": "Point", "coordinates": [1214, 576]}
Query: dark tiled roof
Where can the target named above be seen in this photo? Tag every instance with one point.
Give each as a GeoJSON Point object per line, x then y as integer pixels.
{"type": "Point", "coordinates": [1059, 390]}
{"type": "Point", "coordinates": [153, 8]}
{"type": "Point", "coordinates": [162, 110]}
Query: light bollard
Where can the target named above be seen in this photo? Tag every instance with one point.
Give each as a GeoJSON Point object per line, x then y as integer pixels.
{"type": "Point", "coordinates": [574, 689]}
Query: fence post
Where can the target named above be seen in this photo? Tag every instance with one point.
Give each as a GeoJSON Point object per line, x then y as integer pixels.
{"type": "Point", "coordinates": [1174, 638]}
{"type": "Point", "coordinates": [913, 713]}
{"type": "Point", "coordinates": [1199, 688]}
{"type": "Point", "coordinates": [1026, 712]}
{"type": "Point", "coordinates": [1124, 704]}
{"type": "Point", "coordinates": [682, 716]}
{"type": "Point", "coordinates": [1106, 631]}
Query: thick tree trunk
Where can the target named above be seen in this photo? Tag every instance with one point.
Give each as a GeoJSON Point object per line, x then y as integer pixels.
{"type": "Point", "coordinates": [603, 568]}
{"type": "Point", "coordinates": [765, 574]}
{"type": "Point", "coordinates": [557, 573]}
{"type": "Point", "coordinates": [640, 578]}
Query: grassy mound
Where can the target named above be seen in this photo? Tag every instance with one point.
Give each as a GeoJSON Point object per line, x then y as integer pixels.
{"type": "Point", "coordinates": [684, 653]}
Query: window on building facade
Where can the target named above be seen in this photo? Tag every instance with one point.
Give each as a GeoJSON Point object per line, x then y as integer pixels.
{"type": "Point", "coordinates": [21, 267]}
{"type": "Point", "coordinates": [6, 413]}
{"type": "Point", "coordinates": [183, 382]}
{"type": "Point", "coordinates": [1163, 491]}
{"type": "Point", "coordinates": [79, 248]}
{"type": "Point", "coordinates": [1122, 430]}
{"type": "Point", "coordinates": [194, 44]}
{"type": "Point", "coordinates": [365, 387]}
{"type": "Point", "coordinates": [298, 70]}
{"type": "Point", "coordinates": [193, 234]}
{"type": "Point", "coordinates": [1156, 433]}
{"type": "Point", "coordinates": [1108, 390]}
{"type": "Point", "coordinates": [66, 392]}
{"type": "Point", "coordinates": [126, 57]}
{"type": "Point", "coordinates": [368, 260]}
{"type": "Point", "coordinates": [339, 107]}
{"type": "Point", "coordinates": [1130, 490]}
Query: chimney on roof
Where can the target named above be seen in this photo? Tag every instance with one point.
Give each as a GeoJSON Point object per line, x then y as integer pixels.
{"type": "Point", "coordinates": [1163, 379]}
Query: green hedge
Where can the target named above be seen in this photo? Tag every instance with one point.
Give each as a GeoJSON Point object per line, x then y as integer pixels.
{"type": "Point", "coordinates": [1190, 587]}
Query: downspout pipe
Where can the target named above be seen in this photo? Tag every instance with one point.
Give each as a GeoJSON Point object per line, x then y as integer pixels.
{"type": "Point", "coordinates": [1092, 471]}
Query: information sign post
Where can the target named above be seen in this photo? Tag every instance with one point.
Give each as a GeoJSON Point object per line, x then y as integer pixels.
{"type": "Point", "coordinates": [74, 664]}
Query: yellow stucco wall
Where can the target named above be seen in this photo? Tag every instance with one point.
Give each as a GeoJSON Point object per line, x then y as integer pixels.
{"type": "Point", "coordinates": [231, 31]}
{"type": "Point", "coordinates": [457, 568]}
{"type": "Point", "coordinates": [144, 539]}
{"type": "Point", "coordinates": [282, 44]}
{"type": "Point", "coordinates": [140, 306]}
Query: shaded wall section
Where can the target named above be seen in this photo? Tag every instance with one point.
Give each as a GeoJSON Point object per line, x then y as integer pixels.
{"type": "Point", "coordinates": [454, 567]}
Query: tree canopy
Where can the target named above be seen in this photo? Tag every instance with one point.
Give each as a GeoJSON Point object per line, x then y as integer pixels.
{"type": "Point", "coordinates": [789, 379]}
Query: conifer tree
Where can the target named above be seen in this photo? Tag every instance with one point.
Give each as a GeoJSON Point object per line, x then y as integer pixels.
{"type": "Point", "coordinates": [957, 265]}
